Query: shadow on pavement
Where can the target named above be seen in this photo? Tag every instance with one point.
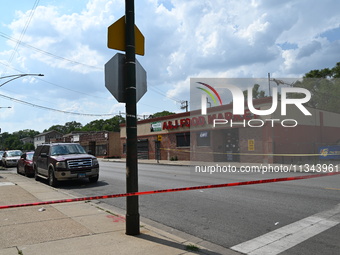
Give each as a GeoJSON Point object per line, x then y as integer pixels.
{"type": "Point", "coordinates": [174, 244]}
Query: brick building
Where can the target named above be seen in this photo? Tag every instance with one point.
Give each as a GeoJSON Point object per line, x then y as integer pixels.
{"type": "Point", "coordinates": [47, 137]}
{"type": "Point", "coordinates": [99, 143]}
{"type": "Point", "coordinates": [274, 138]}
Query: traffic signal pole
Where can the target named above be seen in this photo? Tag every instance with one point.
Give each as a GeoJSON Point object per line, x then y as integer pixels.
{"type": "Point", "coordinates": [132, 203]}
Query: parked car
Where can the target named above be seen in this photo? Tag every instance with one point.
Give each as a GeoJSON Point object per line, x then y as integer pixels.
{"type": "Point", "coordinates": [25, 164]}
{"type": "Point", "coordinates": [1, 153]}
{"type": "Point", "coordinates": [64, 161]}
{"type": "Point", "coordinates": [10, 158]}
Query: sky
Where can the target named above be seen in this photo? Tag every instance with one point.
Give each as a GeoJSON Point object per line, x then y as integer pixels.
{"type": "Point", "coordinates": [67, 42]}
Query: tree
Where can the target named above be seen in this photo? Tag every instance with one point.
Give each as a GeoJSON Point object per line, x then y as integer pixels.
{"type": "Point", "coordinates": [28, 147]}
{"type": "Point", "coordinates": [72, 126]}
{"type": "Point", "coordinates": [59, 128]}
{"type": "Point", "coordinates": [325, 73]}
{"type": "Point", "coordinates": [324, 86]}
{"type": "Point", "coordinates": [67, 128]}
{"type": "Point", "coordinates": [26, 133]}
{"type": "Point", "coordinates": [13, 142]}
{"type": "Point", "coordinates": [256, 92]}
{"type": "Point", "coordinates": [112, 124]}
{"type": "Point", "coordinates": [161, 114]}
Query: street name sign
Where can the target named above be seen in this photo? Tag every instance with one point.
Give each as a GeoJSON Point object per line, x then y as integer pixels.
{"type": "Point", "coordinates": [116, 37]}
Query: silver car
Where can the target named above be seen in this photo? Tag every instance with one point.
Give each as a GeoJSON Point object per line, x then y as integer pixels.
{"type": "Point", "coordinates": [1, 153]}
{"type": "Point", "coordinates": [10, 158]}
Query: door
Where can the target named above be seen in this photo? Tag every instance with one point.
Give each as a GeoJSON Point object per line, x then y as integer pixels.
{"type": "Point", "coordinates": [232, 147]}
{"type": "Point", "coordinates": [92, 148]}
{"type": "Point", "coordinates": [143, 149]}
{"type": "Point", "coordinates": [43, 160]}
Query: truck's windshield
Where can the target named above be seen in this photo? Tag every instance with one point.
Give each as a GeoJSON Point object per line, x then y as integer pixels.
{"type": "Point", "coordinates": [64, 149]}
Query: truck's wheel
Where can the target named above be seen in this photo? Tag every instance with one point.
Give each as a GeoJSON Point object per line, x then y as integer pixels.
{"type": "Point", "coordinates": [94, 179]}
{"type": "Point", "coordinates": [36, 177]}
{"type": "Point", "coordinates": [52, 181]}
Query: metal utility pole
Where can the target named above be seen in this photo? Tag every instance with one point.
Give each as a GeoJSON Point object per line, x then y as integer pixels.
{"type": "Point", "coordinates": [184, 105]}
{"type": "Point", "coordinates": [132, 203]}
{"type": "Point", "coordinates": [269, 84]}
{"type": "Point", "coordinates": [125, 78]}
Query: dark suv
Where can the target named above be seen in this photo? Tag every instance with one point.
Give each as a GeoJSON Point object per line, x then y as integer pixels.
{"type": "Point", "coordinates": [64, 161]}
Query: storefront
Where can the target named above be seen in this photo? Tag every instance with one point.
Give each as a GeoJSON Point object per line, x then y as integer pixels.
{"type": "Point", "coordinates": [220, 136]}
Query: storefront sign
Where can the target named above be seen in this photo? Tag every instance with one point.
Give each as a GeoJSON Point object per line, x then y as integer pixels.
{"type": "Point", "coordinates": [156, 126]}
{"type": "Point", "coordinates": [330, 152]}
{"type": "Point", "coordinates": [251, 144]}
{"type": "Point", "coordinates": [203, 120]}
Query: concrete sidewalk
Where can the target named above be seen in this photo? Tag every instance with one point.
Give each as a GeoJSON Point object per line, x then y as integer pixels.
{"type": "Point", "coordinates": [77, 227]}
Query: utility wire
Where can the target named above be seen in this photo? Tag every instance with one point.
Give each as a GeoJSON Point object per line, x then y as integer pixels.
{"type": "Point", "coordinates": [80, 92]}
{"type": "Point", "coordinates": [24, 30]}
{"type": "Point", "coordinates": [75, 91]}
{"type": "Point", "coordinates": [163, 94]}
{"type": "Point", "coordinates": [48, 53]}
{"type": "Point", "coordinates": [51, 109]}
{"type": "Point", "coordinates": [54, 84]}
{"type": "Point", "coordinates": [61, 111]}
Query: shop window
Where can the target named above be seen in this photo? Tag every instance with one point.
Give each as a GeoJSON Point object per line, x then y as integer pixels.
{"type": "Point", "coordinates": [183, 139]}
{"type": "Point", "coordinates": [203, 138]}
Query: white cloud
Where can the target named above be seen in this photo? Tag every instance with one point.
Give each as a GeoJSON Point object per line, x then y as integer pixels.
{"type": "Point", "coordinates": [183, 39]}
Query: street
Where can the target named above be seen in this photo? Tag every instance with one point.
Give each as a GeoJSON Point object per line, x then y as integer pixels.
{"type": "Point", "coordinates": [226, 216]}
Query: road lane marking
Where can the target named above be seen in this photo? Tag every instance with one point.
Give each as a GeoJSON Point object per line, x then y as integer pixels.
{"type": "Point", "coordinates": [332, 188]}
{"type": "Point", "coordinates": [288, 236]}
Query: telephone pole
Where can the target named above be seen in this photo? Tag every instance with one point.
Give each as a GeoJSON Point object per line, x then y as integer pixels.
{"type": "Point", "coordinates": [184, 105]}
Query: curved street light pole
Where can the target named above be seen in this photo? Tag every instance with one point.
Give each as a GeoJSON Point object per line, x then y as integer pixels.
{"type": "Point", "coordinates": [16, 76]}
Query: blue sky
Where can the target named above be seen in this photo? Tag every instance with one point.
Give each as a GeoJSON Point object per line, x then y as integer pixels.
{"type": "Point", "coordinates": [66, 41]}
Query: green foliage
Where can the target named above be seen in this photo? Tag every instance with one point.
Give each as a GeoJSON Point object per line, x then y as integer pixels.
{"type": "Point", "coordinates": [58, 128]}
{"type": "Point", "coordinates": [12, 141]}
{"type": "Point", "coordinates": [324, 86]}
{"type": "Point", "coordinates": [325, 73]}
{"type": "Point", "coordinates": [28, 147]}
{"type": "Point", "coordinates": [161, 114]}
{"type": "Point", "coordinates": [192, 247]}
{"type": "Point", "coordinates": [9, 141]}
{"type": "Point", "coordinates": [112, 124]}
{"type": "Point", "coordinates": [26, 133]}
{"type": "Point", "coordinates": [67, 128]}
{"type": "Point", "coordinates": [256, 92]}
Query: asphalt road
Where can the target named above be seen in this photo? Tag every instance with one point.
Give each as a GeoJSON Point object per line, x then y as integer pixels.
{"type": "Point", "coordinates": [225, 216]}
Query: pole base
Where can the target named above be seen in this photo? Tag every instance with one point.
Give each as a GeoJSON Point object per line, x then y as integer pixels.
{"type": "Point", "coordinates": [132, 225]}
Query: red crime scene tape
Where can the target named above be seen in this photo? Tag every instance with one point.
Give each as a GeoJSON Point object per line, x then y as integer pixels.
{"type": "Point", "coordinates": [172, 190]}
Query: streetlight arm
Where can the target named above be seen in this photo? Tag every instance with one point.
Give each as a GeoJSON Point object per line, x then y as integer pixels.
{"type": "Point", "coordinates": [16, 76]}
{"type": "Point", "coordinates": [21, 75]}
{"type": "Point", "coordinates": [9, 80]}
